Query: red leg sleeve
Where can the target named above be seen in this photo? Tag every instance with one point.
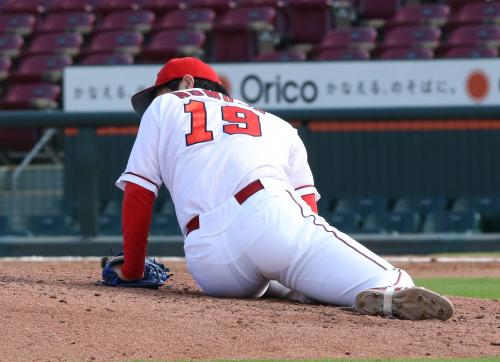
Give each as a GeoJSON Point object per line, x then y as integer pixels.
{"type": "Point", "coordinates": [310, 199]}
{"type": "Point", "coordinates": [137, 211]}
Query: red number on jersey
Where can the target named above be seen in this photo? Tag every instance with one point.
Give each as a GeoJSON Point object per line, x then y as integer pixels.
{"type": "Point", "coordinates": [247, 121]}
{"type": "Point", "coordinates": [240, 115]}
{"type": "Point", "coordinates": [199, 132]}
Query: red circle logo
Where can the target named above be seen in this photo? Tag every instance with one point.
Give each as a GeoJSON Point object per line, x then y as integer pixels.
{"type": "Point", "coordinates": [478, 85]}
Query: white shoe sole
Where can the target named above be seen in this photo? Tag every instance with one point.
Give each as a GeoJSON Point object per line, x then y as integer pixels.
{"type": "Point", "coordinates": [413, 303]}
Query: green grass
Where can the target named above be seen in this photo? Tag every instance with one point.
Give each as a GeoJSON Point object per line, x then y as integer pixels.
{"type": "Point", "coordinates": [486, 288]}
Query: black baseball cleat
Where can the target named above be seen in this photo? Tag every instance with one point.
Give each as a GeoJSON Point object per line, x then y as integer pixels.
{"type": "Point", "coordinates": [413, 303]}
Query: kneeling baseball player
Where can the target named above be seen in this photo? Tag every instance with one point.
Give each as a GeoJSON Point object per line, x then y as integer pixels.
{"type": "Point", "coordinates": [245, 200]}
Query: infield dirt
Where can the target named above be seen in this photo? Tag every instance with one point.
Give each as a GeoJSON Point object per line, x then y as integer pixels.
{"type": "Point", "coordinates": [55, 311]}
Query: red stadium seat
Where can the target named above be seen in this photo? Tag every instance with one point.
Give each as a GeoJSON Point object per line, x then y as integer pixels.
{"type": "Point", "coordinates": [273, 3]}
{"type": "Point", "coordinates": [478, 12]}
{"type": "Point", "coordinates": [141, 20]}
{"type": "Point", "coordinates": [21, 24]}
{"type": "Point", "coordinates": [362, 37]}
{"type": "Point", "coordinates": [27, 6]}
{"type": "Point", "coordinates": [51, 43]}
{"type": "Point", "coordinates": [221, 7]}
{"type": "Point", "coordinates": [18, 139]}
{"type": "Point", "coordinates": [119, 41]}
{"type": "Point", "coordinates": [281, 56]}
{"type": "Point", "coordinates": [343, 54]}
{"type": "Point", "coordinates": [237, 37]}
{"type": "Point", "coordinates": [10, 45]}
{"type": "Point", "coordinates": [160, 7]}
{"type": "Point", "coordinates": [199, 19]}
{"type": "Point", "coordinates": [31, 96]}
{"type": "Point", "coordinates": [108, 59]}
{"type": "Point", "coordinates": [421, 14]}
{"type": "Point", "coordinates": [470, 52]}
{"type": "Point", "coordinates": [475, 35]}
{"type": "Point", "coordinates": [73, 21]}
{"type": "Point", "coordinates": [376, 12]}
{"type": "Point", "coordinates": [107, 6]}
{"type": "Point", "coordinates": [73, 5]}
{"type": "Point", "coordinates": [308, 20]}
{"type": "Point", "coordinates": [171, 43]}
{"type": "Point", "coordinates": [5, 65]}
{"type": "Point", "coordinates": [45, 68]}
{"type": "Point", "coordinates": [409, 36]}
{"type": "Point", "coordinates": [406, 53]}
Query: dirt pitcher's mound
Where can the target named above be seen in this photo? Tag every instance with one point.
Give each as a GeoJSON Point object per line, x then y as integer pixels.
{"type": "Point", "coordinates": [56, 312]}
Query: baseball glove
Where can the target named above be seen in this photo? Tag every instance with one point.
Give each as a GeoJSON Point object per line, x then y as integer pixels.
{"type": "Point", "coordinates": [155, 273]}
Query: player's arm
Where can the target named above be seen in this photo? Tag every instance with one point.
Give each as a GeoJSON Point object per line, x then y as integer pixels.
{"type": "Point", "coordinates": [140, 183]}
{"type": "Point", "coordinates": [300, 174]}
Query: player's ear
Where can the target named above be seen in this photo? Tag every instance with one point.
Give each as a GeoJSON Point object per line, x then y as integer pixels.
{"type": "Point", "coordinates": [187, 82]}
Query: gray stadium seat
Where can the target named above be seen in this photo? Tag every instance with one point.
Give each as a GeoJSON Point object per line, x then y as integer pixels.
{"type": "Point", "coordinates": [460, 222]}
{"type": "Point", "coordinates": [392, 222]}
{"type": "Point", "coordinates": [362, 205]}
{"type": "Point", "coordinates": [422, 205]}
{"type": "Point", "coordinates": [345, 222]}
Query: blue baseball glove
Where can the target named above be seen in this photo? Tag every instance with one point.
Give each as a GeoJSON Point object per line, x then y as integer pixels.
{"type": "Point", "coordinates": [155, 273]}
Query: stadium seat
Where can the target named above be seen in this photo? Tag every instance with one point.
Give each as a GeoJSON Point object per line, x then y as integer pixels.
{"type": "Point", "coordinates": [344, 221]}
{"type": "Point", "coordinates": [406, 53]}
{"type": "Point", "coordinates": [475, 35]}
{"type": "Point", "coordinates": [31, 96]}
{"type": "Point", "coordinates": [27, 6]}
{"type": "Point", "coordinates": [413, 35]}
{"type": "Point", "coordinates": [108, 6]}
{"type": "Point", "coordinates": [53, 43]}
{"type": "Point", "coordinates": [487, 206]}
{"type": "Point", "coordinates": [164, 225]}
{"type": "Point", "coordinates": [118, 41]}
{"type": "Point", "coordinates": [478, 12]}
{"type": "Point", "coordinates": [238, 36]}
{"type": "Point", "coordinates": [50, 225]}
{"type": "Point", "coordinates": [171, 43]}
{"type": "Point", "coordinates": [281, 56]}
{"type": "Point", "coordinates": [10, 45]}
{"type": "Point", "coordinates": [5, 65]}
{"type": "Point", "coordinates": [46, 68]}
{"type": "Point", "coordinates": [342, 54]}
{"type": "Point", "coordinates": [308, 20]}
{"type": "Point", "coordinates": [128, 20]}
{"type": "Point", "coordinates": [361, 205]}
{"type": "Point", "coordinates": [112, 207]}
{"type": "Point", "coordinates": [375, 12]}
{"type": "Point", "coordinates": [459, 222]}
{"type": "Point", "coordinates": [324, 205]}
{"type": "Point", "coordinates": [422, 205]}
{"type": "Point", "coordinates": [391, 222]}
{"type": "Point", "coordinates": [108, 59]}
{"type": "Point", "coordinates": [75, 21]}
{"type": "Point", "coordinates": [160, 7]}
{"type": "Point", "coordinates": [73, 5]}
{"type": "Point", "coordinates": [470, 52]}
{"type": "Point", "coordinates": [273, 3]}
{"type": "Point", "coordinates": [20, 24]}
{"type": "Point", "coordinates": [198, 19]}
{"type": "Point", "coordinates": [420, 14]}
{"type": "Point", "coordinates": [355, 37]}
{"type": "Point", "coordinates": [221, 7]}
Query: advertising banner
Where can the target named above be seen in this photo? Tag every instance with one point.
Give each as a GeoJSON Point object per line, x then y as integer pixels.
{"type": "Point", "coordinates": [306, 85]}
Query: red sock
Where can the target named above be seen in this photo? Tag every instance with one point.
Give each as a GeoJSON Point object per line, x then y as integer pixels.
{"type": "Point", "coordinates": [310, 199]}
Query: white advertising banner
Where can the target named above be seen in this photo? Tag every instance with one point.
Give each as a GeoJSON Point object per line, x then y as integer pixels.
{"type": "Point", "coordinates": [307, 85]}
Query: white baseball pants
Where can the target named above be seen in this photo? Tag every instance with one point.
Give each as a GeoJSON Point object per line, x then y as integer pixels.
{"type": "Point", "coordinates": [274, 235]}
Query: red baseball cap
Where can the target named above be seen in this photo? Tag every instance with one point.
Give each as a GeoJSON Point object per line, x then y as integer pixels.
{"type": "Point", "coordinates": [174, 69]}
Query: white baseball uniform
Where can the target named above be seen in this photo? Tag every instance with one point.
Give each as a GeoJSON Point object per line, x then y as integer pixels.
{"type": "Point", "coordinates": [206, 147]}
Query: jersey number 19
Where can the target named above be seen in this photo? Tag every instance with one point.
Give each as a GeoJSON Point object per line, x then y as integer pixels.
{"type": "Point", "coordinates": [241, 121]}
